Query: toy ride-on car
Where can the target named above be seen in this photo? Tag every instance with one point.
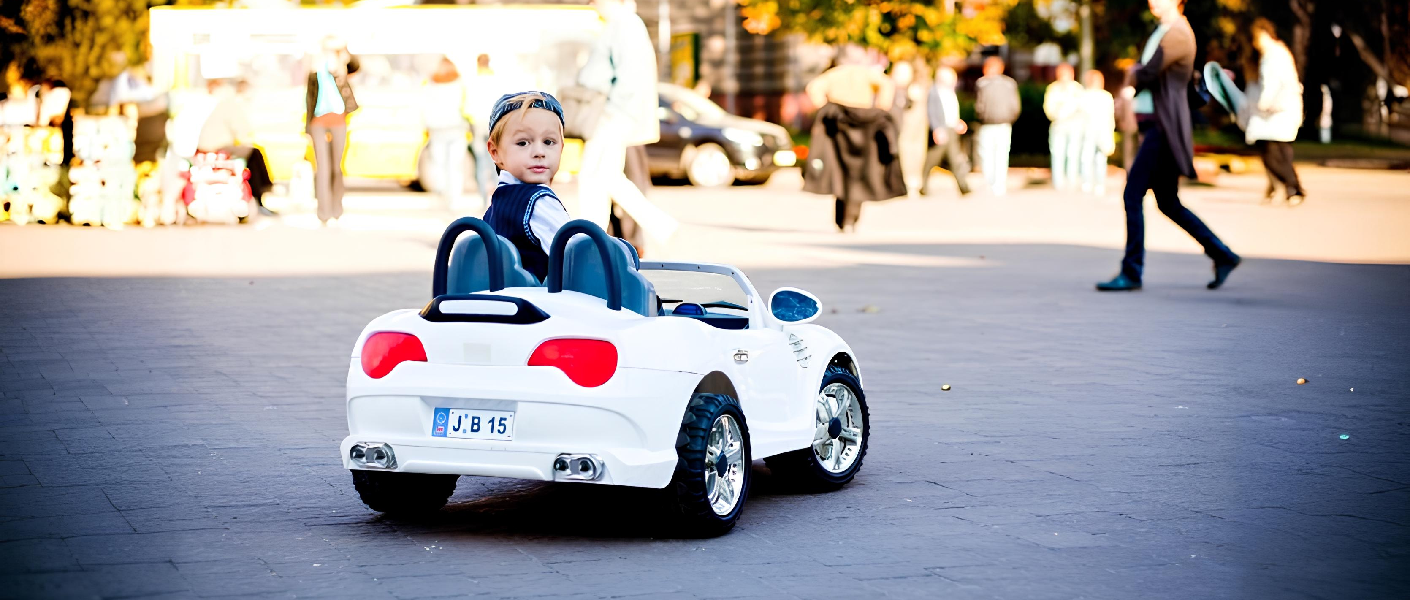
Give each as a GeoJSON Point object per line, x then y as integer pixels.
{"type": "Point", "coordinates": [613, 371]}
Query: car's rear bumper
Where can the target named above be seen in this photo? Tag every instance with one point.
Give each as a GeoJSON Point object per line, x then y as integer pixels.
{"type": "Point", "coordinates": [630, 423]}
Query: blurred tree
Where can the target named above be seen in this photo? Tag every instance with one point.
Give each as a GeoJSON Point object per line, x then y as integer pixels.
{"type": "Point", "coordinates": [80, 42]}
{"type": "Point", "coordinates": [900, 28]}
{"type": "Point", "coordinates": [85, 41]}
{"type": "Point", "coordinates": [1025, 26]}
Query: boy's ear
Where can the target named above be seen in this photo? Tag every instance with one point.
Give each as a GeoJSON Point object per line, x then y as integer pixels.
{"type": "Point", "coordinates": [494, 152]}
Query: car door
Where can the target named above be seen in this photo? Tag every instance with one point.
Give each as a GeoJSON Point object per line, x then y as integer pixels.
{"type": "Point", "coordinates": [665, 154]}
{"type": "Point", "coordinates": [771, 375]}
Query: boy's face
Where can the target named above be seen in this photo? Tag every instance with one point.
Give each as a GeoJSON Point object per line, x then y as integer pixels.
{"type": "Point", "coordinates": [530, 147]}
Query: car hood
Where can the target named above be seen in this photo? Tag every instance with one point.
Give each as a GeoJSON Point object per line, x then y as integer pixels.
{"type": "Point", "coordinates": [770, 131]}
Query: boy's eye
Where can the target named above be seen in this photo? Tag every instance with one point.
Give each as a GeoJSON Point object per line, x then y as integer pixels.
{"type": "Point", "coordinates": [550, 142]}
{"type": "Point", "coordinates": [521, 143]}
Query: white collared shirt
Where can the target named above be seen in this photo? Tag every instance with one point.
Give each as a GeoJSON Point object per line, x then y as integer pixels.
{"type": "Point", "coordinates": [547, 217]}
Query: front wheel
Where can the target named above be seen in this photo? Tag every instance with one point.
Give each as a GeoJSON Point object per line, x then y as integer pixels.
{"type": "Point", "coordinates": [842, 430]}
{"type": "Point", "coordinates": [713, 466]}
{"type": "Point", "coordinates": [404, 494]}
{"type": "Point", "coordinates": [710, 167]}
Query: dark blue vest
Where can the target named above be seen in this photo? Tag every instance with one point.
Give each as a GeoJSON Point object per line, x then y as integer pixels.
{"type": "Point", "coordinates": [510, 209]}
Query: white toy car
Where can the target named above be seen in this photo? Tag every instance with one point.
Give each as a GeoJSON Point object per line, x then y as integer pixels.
{"type": "Point", "coordinates": [593, 378]}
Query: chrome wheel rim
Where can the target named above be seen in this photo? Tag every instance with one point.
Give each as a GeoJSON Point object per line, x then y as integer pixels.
{"type": "Point", "coordinates": [724, 465]}
{"type": "Point", "coordinates": [710, 168]}
{"type": "Point", "coordinates": [837, 439]}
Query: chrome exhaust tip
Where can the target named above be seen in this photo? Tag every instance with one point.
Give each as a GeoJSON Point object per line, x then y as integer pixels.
{"type": "Point", "coordinates": [578, 467]}
{"type": "Point", "coordinates": [373, 455]}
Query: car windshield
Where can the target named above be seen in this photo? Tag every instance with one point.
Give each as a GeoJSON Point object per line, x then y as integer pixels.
{"type": "Point", "coordinates": [691, 105]}
{"type": "Point", "coordinates": [714, 291]}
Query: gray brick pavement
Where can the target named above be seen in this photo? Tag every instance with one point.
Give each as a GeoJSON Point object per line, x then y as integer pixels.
{"type": "Point", "coordinates": [176, 438]}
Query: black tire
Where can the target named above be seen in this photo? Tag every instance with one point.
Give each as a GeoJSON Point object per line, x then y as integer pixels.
{"type": "Point", "coordinates": [404, 494]}
{"type": "Point", "coordinates": [691, 514]}
{"type": "Point", "coordinates": [801, 469]}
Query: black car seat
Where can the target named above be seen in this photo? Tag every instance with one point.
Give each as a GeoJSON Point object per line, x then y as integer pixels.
{"type": "Point", "coordinates": [463, 261]}
{"type": "Point", "coordinates": [575, 262]}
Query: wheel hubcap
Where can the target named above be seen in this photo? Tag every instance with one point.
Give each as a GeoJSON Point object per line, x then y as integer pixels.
{"type": "Point", "coordinates": [710, 167]}
{"type": "Point", "coordinates": [837, 441]}
{"type": "Point", "coordinates": [724, 465]}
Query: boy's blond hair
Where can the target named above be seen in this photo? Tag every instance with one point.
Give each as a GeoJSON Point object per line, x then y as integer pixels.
{"type": "Point", "coordinates": [527, 99]}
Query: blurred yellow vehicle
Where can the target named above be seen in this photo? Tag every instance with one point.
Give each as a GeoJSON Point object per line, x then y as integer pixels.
{"type": "Point", "coordinates": [530, 47]}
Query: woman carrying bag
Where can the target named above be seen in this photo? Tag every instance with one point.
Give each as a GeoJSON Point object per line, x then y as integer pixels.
{"type": "Point", "coordinates": [1270, 110]}
{"type": "Point", "coordinates": [329, 102]}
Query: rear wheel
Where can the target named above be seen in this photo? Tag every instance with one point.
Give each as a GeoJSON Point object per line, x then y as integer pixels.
{"type": "Point", "coordinates": [404, 494]}
{"type": "Point", "coordinates": [840, 437]}
{"type": "Point", "coordinates": [712, 475]}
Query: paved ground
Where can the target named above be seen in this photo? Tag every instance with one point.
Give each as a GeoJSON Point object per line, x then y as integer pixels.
{"type": "Point", "coordinates": [1351, 216]}
{"type": "Point", "coordinates": [176, 437]}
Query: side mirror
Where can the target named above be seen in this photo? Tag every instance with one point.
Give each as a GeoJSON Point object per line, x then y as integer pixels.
{"type": "Point", "coordinates": [792, 305]}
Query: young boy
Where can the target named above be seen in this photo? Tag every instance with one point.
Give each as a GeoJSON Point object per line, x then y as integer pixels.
{"type": "Point", "coordinates": [526, 144]}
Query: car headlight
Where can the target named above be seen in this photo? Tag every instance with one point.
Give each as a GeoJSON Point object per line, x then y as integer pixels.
{"type": "Point", "coordinates": [744, 137]}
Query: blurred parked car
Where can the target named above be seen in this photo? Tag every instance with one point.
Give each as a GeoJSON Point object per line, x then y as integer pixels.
{"type": "Point", "coordinates": [710, 147]}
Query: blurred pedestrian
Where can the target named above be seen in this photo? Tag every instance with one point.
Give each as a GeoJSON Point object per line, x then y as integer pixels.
{"type": "Point", "coordinates": [997, 106]}
{"type": "Point", "coordinates": [56, 110]}
{"type": "Point", "coordinates": [227, 130]}
{"type": "Point", "coordinates": [482, 91]}
{"type": "Point", "coordinates": [1275, 105]}
{"type": "Point", "coordinates": [854, 138]}
{"type": "Point", "coordinates": [329, 100]}
{"type": "Point", "coordinates": [134, 87]}
{"type": "Point", "coordinates": [622, 65]}
{"type": "Point", "coordinates": [54, 99]}
{"type": "Point", "coordinates": [1098, 133]}
{"type": "Point", "coordinates": [1125, 107]}
{"type": "Point", "coordinates": [1167, 151]}
{"type": "Point", "coordinates": [443, 113]}
{"type": "Point", "coordinates": [946, 127]}
{"type": "Point", "coordinates": [909, 110]}
{"type": "Point", "coordinates": [1062, 102]}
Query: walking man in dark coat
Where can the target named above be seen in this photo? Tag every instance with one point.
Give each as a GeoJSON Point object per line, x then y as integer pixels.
{"type": "Point", "coordinates": [1167, 151]}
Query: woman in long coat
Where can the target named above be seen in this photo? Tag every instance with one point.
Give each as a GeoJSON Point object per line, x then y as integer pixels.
{"type": "Point", "coordinates": [1275, 111]}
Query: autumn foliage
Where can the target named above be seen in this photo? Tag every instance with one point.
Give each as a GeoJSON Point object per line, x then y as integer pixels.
{"type": "Point", "coordinates": [930, 28]}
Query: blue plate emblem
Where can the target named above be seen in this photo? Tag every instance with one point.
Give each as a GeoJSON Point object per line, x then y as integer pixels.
{"type": "Point", "coordinates": [439, 429]}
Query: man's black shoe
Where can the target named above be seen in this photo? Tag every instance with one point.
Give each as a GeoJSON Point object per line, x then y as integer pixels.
{"type": "Point", "coordinates": [264, 212]}
{"type": "Point", "coordinates": [1121, 283]}
{"type": "Point", "coordinates": [1221, 272]}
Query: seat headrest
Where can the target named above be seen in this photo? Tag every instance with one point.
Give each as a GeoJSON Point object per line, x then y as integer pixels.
{"type": "Point", "coordinates": [583, 272]}
{"type": "Point", "coordinates": [469, 267]}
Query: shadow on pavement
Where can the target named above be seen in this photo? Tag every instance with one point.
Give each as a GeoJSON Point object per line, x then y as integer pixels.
{"type": "Point", "coordinates": [497, 507]}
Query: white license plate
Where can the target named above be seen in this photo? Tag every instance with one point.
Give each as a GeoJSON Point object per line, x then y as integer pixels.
{"type": "Point", "coordinates": [473, 424]}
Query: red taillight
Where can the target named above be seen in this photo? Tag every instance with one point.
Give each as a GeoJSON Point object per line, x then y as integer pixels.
{"type": "Point", "coordinates": [588, 363]}
{"type": "Point", "coordinates": [384, 350]}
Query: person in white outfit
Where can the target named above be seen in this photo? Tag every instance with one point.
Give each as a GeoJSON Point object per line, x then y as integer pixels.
{"type": "Point", "coordinates": [443, 112]}
{"type": "Point", "coordinates": [909, 106]}
{"type": "Point", "coordinates": [1098, 133]}
{"type": "Point", "coordinates": [622, 65]}
{"type": "Point", "coordinates": [1275, 111]}
{"type": "Point", "coordinates": [1063, 104]}
{"type": "Point", "coordinates": [1270, 108]}
{"type": "Point", "coordinates": [482, 91]}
